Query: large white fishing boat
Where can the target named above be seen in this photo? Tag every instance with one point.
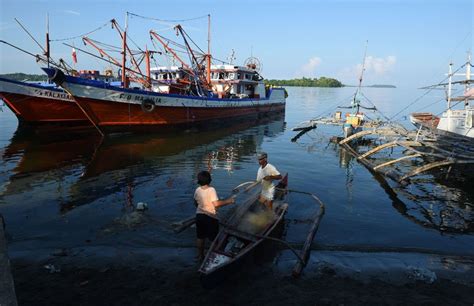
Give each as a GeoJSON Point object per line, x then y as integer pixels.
{"type": "Point", "coordinates": [456, 123]}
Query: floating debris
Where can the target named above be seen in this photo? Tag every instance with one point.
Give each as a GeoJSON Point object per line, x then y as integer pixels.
{"type": "Point", "coordinates": [51, 268]}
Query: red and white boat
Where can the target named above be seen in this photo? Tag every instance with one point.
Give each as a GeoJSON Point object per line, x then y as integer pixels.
{"type": "Point", "coordinates": [40, 103]}
{"type": "Point", "coordinates": [112, 107]}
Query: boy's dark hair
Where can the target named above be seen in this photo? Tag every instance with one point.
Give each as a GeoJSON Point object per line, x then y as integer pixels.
{"type": "Point", "coordinates": [204, 178]}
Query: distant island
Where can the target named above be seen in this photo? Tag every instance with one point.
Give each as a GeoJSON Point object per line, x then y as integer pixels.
{"type": "Point", "coordinates": [306, 82]}
{"type": "Point", "coordinates": [24, 77]}
{"type": "Point", "coordinates": [303, 82]}
{"type": "Point", "coordinates": [375, 86]}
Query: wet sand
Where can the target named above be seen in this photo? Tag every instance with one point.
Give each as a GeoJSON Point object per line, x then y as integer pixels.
{"type": "Point", "coordinates": [148, 277]}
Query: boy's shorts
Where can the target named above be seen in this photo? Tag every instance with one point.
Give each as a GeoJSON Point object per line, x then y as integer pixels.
{"type": "Point", "coordinates": [206, 226]}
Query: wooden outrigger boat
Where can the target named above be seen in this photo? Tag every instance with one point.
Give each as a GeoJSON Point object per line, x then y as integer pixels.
{"type": "Point", "coordinates": [250, 224]}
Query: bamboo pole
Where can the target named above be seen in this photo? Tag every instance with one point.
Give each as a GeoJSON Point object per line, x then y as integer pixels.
{"type": "Point", "coordinates": [396, 161]}
{"type": "Point", "coordinates": [309, 239]}
{"type": "Point", "coordinates": [436, 165]}
{"type": "Point", "coordinates": [387, 145]}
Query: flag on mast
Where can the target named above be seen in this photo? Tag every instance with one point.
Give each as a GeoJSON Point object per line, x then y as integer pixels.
{"type": "Point", "coordinates": [74, 56]}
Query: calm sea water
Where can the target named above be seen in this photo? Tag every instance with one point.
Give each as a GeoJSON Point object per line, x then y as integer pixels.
{"type": "Point", "coordinates": [66, 190]}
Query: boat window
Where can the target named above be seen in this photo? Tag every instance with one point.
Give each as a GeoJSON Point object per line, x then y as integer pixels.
{"type": "Point", "coordinates": [231, 76]}
{"type": "Point", "coordinates": [239, 76]}
{"type": "Point", "coordinates": [469, 119]}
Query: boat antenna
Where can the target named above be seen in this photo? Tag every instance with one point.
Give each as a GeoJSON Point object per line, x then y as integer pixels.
{"type": "Point", "coordinates": [47, 39]}
{"type": "Point", "coordinates": [450, 79]}
{"type": "Point", "coordinates": [208, 70]}
{"type": "Point", "coordinates": [468, 75]}
{"type": "Point", "coordinates": [356, 102]}
{"type": "Point", "coordinates": [231, 57]}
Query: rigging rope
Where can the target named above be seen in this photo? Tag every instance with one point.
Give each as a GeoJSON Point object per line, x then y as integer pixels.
{"type": "Point", "coordinates": [419, 98]}
{"type": "Point", "coordinates": [376, 109]}
{"type": "Point", "coordinates": [166, 20]}
{"type": "Point", "coordinates": [85, 34]}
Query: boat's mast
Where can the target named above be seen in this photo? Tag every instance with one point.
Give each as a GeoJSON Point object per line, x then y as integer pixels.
{"type": "Point", "coordinates": [356, 103]}
{"type": "Point", "coordinates": [208, 74]}
{"type": "Point", "coordinates": [450, 78]}
{"type": "Point", "coordinates": [148, 74]}
{"type": "Point", "coordinates": [468, 76]}
{"type": "Point", "coordinates": [47, 39]}
{"type": "Point", "coordinates": [124, 50]}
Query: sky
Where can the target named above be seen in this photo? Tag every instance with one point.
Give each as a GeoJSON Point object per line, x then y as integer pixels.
{"type": "Point", "coordinates": [409, 42]}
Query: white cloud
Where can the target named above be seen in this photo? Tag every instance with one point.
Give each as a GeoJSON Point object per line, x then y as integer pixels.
{"type": "Point", "coordinates": [378, 66]}
{"type": "Point", "coordinates": [72, 12]}
{"type": "Point", "coordinates": [309, 68]}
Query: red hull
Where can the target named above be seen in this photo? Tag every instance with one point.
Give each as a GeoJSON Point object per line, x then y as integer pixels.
{"type": "Point", "coordinates": [426, 119]}
{"type": "Point", "coordinates": [36, 110]}
{"type": "Point", "coordinates": [113, 114]}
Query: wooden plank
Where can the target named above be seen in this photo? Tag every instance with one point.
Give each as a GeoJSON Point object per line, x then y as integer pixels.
{"type": "Point", "coordinates": [435, 165]}
{"type": "Point", "coordinates": [356, 135]}
{"type": "Point", "coordinates": [389, 173]}
{"type": "Point", "coordinates": [396, 161]}
{"type": "Point", "coordinates": [378, 148]}
{"type": "Point", "coordinates": [7, 288]}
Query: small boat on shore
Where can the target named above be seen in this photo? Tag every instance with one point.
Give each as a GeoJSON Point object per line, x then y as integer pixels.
{"type": "Point", "coordinates": [249, 225]}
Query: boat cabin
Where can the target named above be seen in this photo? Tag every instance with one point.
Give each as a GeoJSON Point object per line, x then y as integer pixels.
{"type": "Point", "coordinates": [229, 81]}
{"type": "Point", "coordinates": [172, 79]}
{"type": "Point", "coordinates": [95, 75]}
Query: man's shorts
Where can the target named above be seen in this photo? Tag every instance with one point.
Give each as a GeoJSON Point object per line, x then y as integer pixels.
{"type": "Point", "coordinates": [268, 194]}
{"type": "Point", "coordinates": [206, 227]}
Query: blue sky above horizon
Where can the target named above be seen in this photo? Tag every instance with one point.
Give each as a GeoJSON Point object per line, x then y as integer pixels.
{"type": "Point", "coordinates": [410, 43]}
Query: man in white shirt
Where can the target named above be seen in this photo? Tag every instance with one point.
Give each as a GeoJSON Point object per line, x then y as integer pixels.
{"type": "Point", "coordinates": [266, 174]}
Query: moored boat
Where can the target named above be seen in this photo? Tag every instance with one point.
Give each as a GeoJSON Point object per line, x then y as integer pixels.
{"type": "Point", "coordinates": [113, 108]}
{"type": "Point", "coordinates": [40, 103]}
{"type": "Point", "coordinates": [455, 126]}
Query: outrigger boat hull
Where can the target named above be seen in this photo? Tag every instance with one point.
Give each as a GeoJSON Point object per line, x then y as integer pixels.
{"type": "Point", "coordinates": [243, 233]}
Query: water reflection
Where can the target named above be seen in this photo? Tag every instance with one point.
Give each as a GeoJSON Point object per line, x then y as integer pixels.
{"type": "Point", "coordinates": [34, 158]}
{"type": "Point", "coordinates": [82, 169]}
{"type": "Point", "coordinates": [432, 202]}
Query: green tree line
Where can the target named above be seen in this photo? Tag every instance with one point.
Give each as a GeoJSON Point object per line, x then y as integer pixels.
{"type": "Point", "coordinates": [307, 82]}
{"type": "Point", "coordinates": [24, 77]}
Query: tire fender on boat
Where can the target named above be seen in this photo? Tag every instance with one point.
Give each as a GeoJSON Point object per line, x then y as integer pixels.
{"type": "Point", "coordinates": [58, 77]}
{"type": "Point", "coordinates": [148, 105]}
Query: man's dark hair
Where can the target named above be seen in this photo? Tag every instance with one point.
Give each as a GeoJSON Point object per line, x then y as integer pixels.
{"type": "Point", "coordinates": [204, 178]}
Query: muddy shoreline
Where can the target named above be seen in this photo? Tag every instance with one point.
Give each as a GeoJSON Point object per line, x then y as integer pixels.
{"type": "Point", "coordinates": [142, 286]}
{"type": "Point", "coordinates": [170, 277]}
